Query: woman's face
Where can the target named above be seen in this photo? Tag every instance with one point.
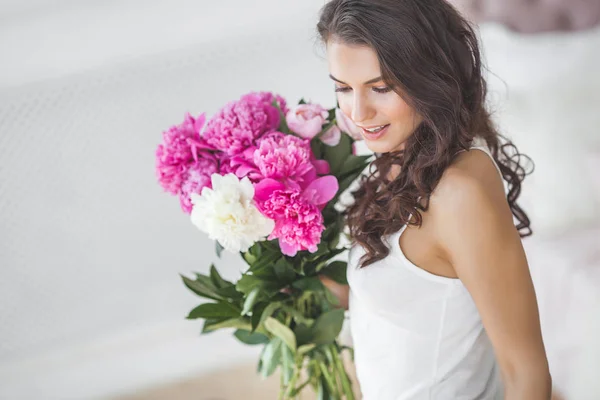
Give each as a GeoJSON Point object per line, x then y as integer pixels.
{"type": "Point", "coordinates": [365, 98]}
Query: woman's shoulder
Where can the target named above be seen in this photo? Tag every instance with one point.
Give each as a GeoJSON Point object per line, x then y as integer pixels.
{"type": "Point", "coordinates": [469, 205]}
{"type": "Point", "coordinates": [472, 179]}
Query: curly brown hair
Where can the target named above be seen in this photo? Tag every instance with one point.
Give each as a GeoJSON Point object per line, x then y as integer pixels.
{"type": "Point", "coordinates": [430, 54]}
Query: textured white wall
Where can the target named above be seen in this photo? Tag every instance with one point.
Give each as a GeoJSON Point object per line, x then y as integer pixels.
{"type": "Point", "coordinates": [91, 302]}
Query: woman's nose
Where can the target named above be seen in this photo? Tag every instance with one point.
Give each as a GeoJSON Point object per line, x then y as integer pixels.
{"type": "Point", "coordinates": [360, 111]}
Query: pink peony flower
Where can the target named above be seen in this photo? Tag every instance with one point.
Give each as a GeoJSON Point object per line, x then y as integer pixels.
{"type": "Point", "coordinates": [180, 147]}
{"type": "Point", "coordinates": [237, 125]}
{"type": "Point", "coordinates": [332, 136]}
{"type": "Point", "coordinates": [347, 125]}
{"type": "Point", "coordinates": [298, 223]}
{"type": "Point", "coordinates": [197, 177]}
{"type": "Point", "coordinates": [267, 97]}
{"type": "Point", "coordinates": [284, 157]}
{"type": "Point", "coordinates": [297, 214]}
{"type": "Point", "coordinates": [226, 165]}
{"type": "Point", "coordinates": [306, 120]}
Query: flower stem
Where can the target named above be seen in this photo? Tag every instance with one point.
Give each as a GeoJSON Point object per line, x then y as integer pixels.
{"type": "Point", "coordinates": [330, 380]}
{"type": "Point", "coordinates": [345, 380]}
{"type": "Point", "coordinates": [292, 384]}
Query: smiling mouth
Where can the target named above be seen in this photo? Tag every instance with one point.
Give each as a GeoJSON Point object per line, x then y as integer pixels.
{"type": "Point", "coordinates": [374, 131]}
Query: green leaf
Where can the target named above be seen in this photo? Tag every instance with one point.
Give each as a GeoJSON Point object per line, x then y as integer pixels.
{"type": "Point", "coordinates": [263, 267]}
{"type": "Point", "coordinates": [335, 241]}
{"type": "Point", "coordinates": [265, 273]}
{"type": "Point", "coordinates": [354, 164]}
{"type": "Point", "coordinates": [230, 292]}
{"type": "Point", "coordinates": [303, 334]}
{"type": "Point", "coordinates": [344, 184]}
{"type": "Point", "coordinates": [271, 246]}
{"type": "Point", "coordinates": [283, 127]}
{"type": "Point", "coordinates": [327, 327]}
{"type": "Point", "coordinates": [214, 310]}
{"type": "Point", "coordinates": [336, 271]}
{"type": "Point", "coordinates": [337, 155]}
{"type": "Point", "coordinates": [238, 323]}
{"type": "Point", "coordinates": [331, 114]}
{"type": "Point", "coordinates": [249, 258]}
{"type": "Point", "coordinates": [267, 259]}
{"type": "Point", "coordinates": [205, 279]}
{"type": "Point", "coordinates": [210, 322]}
{"type": "Point", "coordinates": [250, 300]}
{"type": "Point", "coordinates": [322, 249]}
{"type": "Point", "coordinates": [201, 287]}
{"type": "Point", "coordinates": [317, 148]}
{"type": "Point", "coordinates": [268, 311]}
{"type": "Point", "coordinates": [271, 357]}
{"type": "Point", "coordinates": [306, 348]}
{"type": "Point", "coordinates": [218, 248]}
{"type": "Point", "coordinates": [284, 271]}
{"type": "Point", "coordinates": [302, 101]}
{"type": "Point", "coordinates": [333, 229]}
{"type": "Point", "coordinates": [287, 364]}
{"type": "Point", "coordinates": [329, 255]}
{"type": "Point", "coordinates": [257, 313]}
{"type": "Point", "coordinates": [216, 279]}
{"type": "Point", "coordinates": [247, 283]}
{"type": "Point", "coordinates": [250, 338]}
{"type": "Point", "coordinates": [312, 283]}
{"type": "Point", "coordinates": [280, 330]}
{"type": "Point", "coordinates": [297, 315]}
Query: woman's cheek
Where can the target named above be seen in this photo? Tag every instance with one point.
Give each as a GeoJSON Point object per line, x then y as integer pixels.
{"type": "Point", "coordinates": [345, 106]}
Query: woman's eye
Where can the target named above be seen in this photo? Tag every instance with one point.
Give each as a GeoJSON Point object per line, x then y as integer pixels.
{"type": "Point", "coordinates": [382, 90]}
{"type": "Point", "coordinates": [375, 89]}
{"type": "Point", "coordinates": [341, 89]}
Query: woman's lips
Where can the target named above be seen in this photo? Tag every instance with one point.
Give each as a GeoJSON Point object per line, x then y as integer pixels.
{"type": "Point", "coordinates": [374, 135]}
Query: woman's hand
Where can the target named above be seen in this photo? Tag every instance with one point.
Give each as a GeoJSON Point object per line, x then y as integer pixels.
{"type": "Point", "coordinates": [340, 291]}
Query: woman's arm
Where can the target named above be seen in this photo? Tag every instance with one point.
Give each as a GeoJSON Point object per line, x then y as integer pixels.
{"type": "Point", "coordinates": [476, 234]}
{"type": "Point", "coordinates": [340, 291]}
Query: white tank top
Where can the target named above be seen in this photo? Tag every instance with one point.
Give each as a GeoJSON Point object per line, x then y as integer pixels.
{"type": "Point", "coordinates": [417, 335]}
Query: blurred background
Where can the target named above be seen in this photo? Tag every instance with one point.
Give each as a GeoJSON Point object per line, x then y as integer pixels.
{"type": "Point", "coordinates": [91, 302]}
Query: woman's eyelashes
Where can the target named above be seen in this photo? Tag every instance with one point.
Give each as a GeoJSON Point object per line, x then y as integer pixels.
{"type": "Point", "coordinates": [343, 89]}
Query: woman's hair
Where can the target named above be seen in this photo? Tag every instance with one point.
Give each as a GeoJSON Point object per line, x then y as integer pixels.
{"type": "Point", "coordinates": [429, 54]}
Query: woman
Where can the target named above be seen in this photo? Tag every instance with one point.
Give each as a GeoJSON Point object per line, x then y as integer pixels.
{"type": "Point", "coordinates": [441, 301]}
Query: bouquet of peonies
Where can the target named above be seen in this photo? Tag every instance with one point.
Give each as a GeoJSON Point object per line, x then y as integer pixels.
{"type": "Point", "coordinates": [262, 180]}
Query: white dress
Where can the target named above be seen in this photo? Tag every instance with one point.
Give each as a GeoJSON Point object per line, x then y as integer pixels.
{"type": "Point", "coordinates": [417, 335]}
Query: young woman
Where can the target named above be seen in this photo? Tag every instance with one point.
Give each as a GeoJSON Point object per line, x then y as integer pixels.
{"type": "Point", "coordinates": [441, 301]}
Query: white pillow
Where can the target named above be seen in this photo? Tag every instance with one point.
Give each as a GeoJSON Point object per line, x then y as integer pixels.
{"type": "Point", "coordinates": [545, 90]}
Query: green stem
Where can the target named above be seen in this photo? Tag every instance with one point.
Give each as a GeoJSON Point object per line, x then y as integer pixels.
{"type": "Point", "coordinates": [346, 384]}
{"type": "Point", "coordinates": [295, 392]}
{"type": "Point", "coordinates": [330, 380]}
{"type": "Point", "coordinates": [292, 383]}
{"type": "Point", "coordinates": [281, 387]}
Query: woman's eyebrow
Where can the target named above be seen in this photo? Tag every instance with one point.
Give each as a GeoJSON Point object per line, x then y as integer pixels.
{"type": "Point", "coordinates": [379, 78]}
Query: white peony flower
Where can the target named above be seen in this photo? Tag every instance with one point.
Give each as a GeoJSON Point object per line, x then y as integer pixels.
{"type": "Point", "coordinates": [227, 213]}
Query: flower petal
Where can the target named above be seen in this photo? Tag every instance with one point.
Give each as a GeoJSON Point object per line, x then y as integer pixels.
{"type": "Point", "coordinates": [321, 166]}
{"type": "Point", "coordinates": [332, 136]}
{"type": "Point", "coordinates": [264, 188]}
{"type": "Point", "coordinates": [287, 249]}
{"type": "Point", "coordinates": [321, 190]}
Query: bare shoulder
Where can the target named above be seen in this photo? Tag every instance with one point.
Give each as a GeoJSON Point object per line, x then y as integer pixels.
{"type": "Point", "coordinates": [468, 184]}
{"type": "Point", "coordinates": [469, 201]}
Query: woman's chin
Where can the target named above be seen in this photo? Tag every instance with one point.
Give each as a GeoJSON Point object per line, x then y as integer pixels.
{"type": "Point", "coordinates": [379, 146]}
